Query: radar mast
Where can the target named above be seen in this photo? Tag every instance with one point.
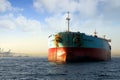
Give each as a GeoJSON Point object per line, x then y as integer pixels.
{"type": "Point", "coordinates": [68, 19]}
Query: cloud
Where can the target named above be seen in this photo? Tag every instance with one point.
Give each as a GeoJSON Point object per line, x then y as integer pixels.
{"type": "Point", "coordinates": [5, 6]}
{"type": "Point", "coordinates": [111, 10]}
{"type": "Point", "coordinates": [27, 24]}
{"type": "Point", "coordinates": [87, 7]}
{"type": "Point", "coordinates": [56, 22]}
{"type": "Point", "coordinates": [7, 22]}
{"type": "Point", "coordinates": [11, 22]}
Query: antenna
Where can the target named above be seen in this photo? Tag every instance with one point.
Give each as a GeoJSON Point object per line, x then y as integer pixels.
{"type": "Point", "coordinates": [95, 33]}
{"type": "Point", "coordinates": [68, 19]}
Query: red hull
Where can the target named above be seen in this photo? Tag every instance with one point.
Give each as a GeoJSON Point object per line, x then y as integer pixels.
{"type": "Point", "coordinates": [77, 54]}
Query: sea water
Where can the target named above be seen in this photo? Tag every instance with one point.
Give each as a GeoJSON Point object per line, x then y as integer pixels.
{"type": "Point", "coordinates": [34, 68]}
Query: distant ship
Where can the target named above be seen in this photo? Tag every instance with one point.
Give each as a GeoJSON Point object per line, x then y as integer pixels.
{"type": "Point", "coordinates": [5, 53]}
{"type": "Point", "coordinates": [75, 46]}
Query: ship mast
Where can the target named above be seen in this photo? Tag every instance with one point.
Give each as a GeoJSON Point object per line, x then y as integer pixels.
{"type": "Point", "coordinates": [95, 33]}
{"type": "Point", "coordinates": [68, 19]}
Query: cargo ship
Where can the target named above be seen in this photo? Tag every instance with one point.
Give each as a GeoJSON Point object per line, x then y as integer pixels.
{"type": "Point", "coordinates": [75, 47]}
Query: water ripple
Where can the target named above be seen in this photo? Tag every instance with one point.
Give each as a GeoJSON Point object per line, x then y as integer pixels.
{"type": "Point", "coordinates": [31, 68]}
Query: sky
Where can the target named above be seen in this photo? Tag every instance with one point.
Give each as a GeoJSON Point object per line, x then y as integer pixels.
{"type": "Point", "coordinates": [26, 24]}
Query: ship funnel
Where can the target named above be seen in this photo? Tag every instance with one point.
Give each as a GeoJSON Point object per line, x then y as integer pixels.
{"type": "Point", "coordinates": [68, 19]}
